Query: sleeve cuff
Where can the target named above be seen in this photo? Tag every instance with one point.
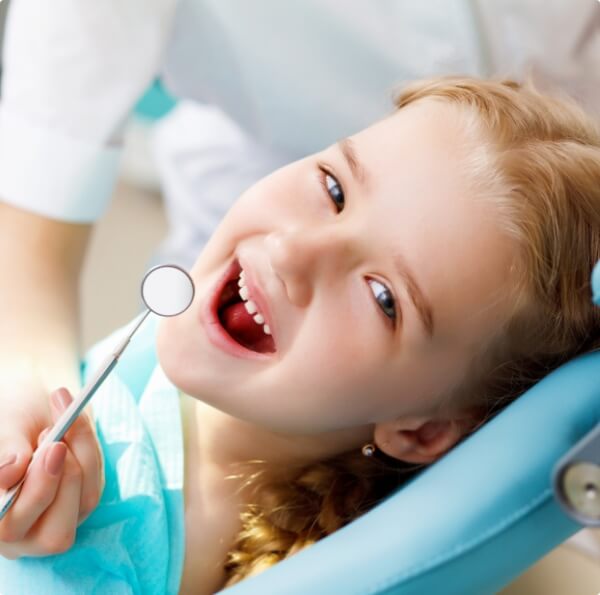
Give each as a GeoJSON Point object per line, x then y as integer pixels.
{"type": "Point", "coordinates": [54, 175]}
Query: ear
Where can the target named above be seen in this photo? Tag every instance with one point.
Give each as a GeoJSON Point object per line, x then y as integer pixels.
{"type": "Point", "coordinates": [421, 439]}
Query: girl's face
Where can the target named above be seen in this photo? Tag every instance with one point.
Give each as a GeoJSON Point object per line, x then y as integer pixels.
{"type": "Point", "coordinates": [381, 272]}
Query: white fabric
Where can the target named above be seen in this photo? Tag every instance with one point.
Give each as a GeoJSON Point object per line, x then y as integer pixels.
{"type": "Point", "coordinates": [296, 75]}
{"type": "Point", "coordinates": [203, 174]}
{"type": "Point", "coordinates": [72, 70]}
{"type": "Point", "coordinates": [78, 184]}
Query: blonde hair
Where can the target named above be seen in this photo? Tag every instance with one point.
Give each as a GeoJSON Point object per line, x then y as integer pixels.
{"type": "Point", "coordinates": [539, 162]}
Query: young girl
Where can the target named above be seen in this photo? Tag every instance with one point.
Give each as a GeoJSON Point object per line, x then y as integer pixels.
{"type": "Point", "coordinates": [357, 314]}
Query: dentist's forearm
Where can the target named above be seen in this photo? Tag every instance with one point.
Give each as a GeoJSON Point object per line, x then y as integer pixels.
{"type": "Point", "coordinates": [40, 265]}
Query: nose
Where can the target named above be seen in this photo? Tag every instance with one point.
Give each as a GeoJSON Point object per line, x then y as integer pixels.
{"type": "Point", "coordinates": [303, 257]}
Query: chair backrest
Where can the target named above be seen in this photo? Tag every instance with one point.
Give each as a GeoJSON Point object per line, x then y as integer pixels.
{"type": "Point", "coordinates": [470, 523]}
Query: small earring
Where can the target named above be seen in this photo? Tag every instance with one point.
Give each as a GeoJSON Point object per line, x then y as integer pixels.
{"type": "Point", "coordinates": [368, 450]}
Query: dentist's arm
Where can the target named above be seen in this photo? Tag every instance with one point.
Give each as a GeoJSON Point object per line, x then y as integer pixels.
{"type": "Point", "coordinates": [72, 71]}
{"type": "Point", "coordinates": [41, 261]}
{"type": "Point", "coordinates": [40, 264]}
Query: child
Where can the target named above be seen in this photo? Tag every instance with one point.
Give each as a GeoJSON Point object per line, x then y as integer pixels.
{"type": "Point", "coordinates": [384, 297]}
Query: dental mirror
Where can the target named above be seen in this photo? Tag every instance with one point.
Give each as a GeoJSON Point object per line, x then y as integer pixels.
{"type": "Point", "coordinates": [167, 290]}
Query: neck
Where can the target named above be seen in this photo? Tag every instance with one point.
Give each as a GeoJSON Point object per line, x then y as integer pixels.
{"type": "Point", "coordinates": [224, 444]}
{"type": "Point", "coordinates": [215, 445]}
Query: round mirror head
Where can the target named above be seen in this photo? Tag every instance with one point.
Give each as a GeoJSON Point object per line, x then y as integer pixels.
{"type": "Point", "coordinates": [167, 290]}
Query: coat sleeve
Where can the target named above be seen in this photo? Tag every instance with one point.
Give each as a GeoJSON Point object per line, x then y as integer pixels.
{"type": "Point", "coordinates": [72, 71]}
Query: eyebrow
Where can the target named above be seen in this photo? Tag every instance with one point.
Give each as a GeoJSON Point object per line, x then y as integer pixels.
{"type": "Point", "coordinates": [422, 306]}
{"type": "Point", "coordinates": [358, 171]}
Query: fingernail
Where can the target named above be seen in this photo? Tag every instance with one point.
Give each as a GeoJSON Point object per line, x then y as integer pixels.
{"type": "Point", "coordinates": [61, 399]}
{"type": "Point", "coordinates": [55, 458]}
{"type": "Point", "coordinates": [8, 461]}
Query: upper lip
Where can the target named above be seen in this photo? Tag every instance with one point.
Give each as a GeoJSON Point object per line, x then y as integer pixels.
{"type": "Point", "coordinates": [257, 295]}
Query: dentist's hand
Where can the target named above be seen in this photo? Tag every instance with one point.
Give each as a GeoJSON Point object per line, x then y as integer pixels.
{"type": "Point", "coordinates": [64, 484]}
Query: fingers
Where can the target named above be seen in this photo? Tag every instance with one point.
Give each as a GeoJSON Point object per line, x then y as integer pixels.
{"type": "Point", "coordinates": [54, 499]}
{"type": "Point", "coordinates": [18, 446]}
{"type": "Point", "coordinates": [36, 495]}
{"type": "Point", "coordinates": [82, 442]}
{"type": "Point", "coordinates": [42, 436]}
{"type": "Point", "coordinates": [55, 530]}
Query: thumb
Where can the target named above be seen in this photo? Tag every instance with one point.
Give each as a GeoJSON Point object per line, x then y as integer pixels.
{"type": "Point", "coordinates": [15, 456]}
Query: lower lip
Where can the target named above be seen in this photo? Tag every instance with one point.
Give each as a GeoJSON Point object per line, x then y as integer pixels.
{"type": "Point", "coordinates": [217, 335]}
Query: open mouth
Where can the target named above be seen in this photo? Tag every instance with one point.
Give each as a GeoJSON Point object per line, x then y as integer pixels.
{"type": "Point", "coordinates": [247, 328]}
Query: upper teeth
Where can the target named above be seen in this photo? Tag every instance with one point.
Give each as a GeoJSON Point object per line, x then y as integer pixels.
{"type": "Point", "coordinates": [250, 305]}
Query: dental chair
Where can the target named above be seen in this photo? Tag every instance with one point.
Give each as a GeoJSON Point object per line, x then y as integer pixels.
{"type": "Point", "coordinates": [479, 517]}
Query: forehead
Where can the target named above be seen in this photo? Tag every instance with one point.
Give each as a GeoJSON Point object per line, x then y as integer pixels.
{"type": "Point", "coordinates": [425, 209]}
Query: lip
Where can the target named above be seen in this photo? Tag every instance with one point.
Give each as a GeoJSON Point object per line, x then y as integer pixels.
{"type": "Point", "coordinates": [210, 320]}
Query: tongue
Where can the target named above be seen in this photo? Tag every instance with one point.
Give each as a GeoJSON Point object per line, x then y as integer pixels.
{"type": "Point", "coordinates": [241, 326]}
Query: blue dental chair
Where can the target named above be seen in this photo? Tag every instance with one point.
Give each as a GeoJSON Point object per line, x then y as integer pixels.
{"type": "Point", "coordinates": [479, 517]}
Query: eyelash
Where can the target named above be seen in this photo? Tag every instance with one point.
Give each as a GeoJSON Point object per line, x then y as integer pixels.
{"type": "Point", "coordinates": [323, 175]}
{"type": "Point", "coordinates": [323, 179]}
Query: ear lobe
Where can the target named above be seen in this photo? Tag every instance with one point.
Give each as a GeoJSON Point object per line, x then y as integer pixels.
{"type": "Point", "coordinates": [424, 444]}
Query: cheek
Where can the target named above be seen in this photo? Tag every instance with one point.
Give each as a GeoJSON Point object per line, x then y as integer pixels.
{"type": "Point", "coordinates": [345, 332]}
{"type": "Point", "coordinates": [332, 366]}
{"type": "Point", "coordinates": [179, 352]}
{"type": "Point", "coordinates": [356, 339]}
{"type": "Point", "coordinates": [164, 351]}
{"type": "Point", "coordinates": [169, 350]}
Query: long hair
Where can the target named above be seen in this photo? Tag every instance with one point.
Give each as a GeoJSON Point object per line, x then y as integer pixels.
{"type": "Point", "coordinates": [538, 161]}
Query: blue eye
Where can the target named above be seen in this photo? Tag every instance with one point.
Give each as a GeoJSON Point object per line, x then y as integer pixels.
{"type": "Point", "coordinates": [385, 299]}
{"type": "Point", "coordinates": [333, 189]}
